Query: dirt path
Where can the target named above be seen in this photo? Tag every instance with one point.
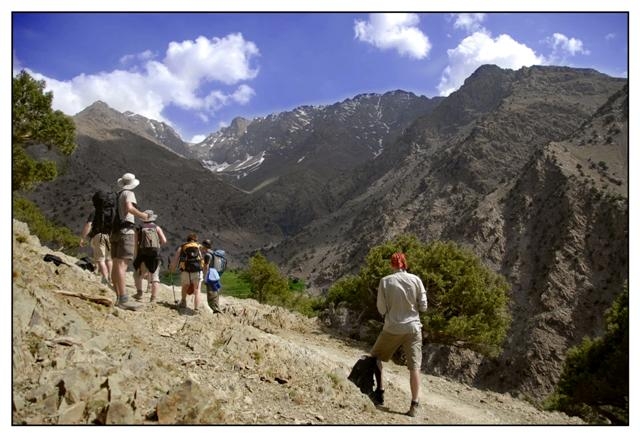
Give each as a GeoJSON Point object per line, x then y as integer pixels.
{"type": "Point", "coordinates": [442, 401]}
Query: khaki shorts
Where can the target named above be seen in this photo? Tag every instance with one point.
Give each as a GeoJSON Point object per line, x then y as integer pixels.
{"type": "Point", "coordinates": [101, 246]}
{"type": "Point", "coordinates": [123, 245]}
{"type": "Point", "coordinates": [188, 278]}
{"type": "Point", "coordinates": [387, 344]}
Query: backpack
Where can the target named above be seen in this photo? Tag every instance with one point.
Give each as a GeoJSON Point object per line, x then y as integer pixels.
{"type": "Point", "coordinates": [219, 261]}
{"type": "Point", "coordinates": [190, 257]}
{"type": "Point", "coordinates": [149, 243]}
{"type": "Point", "coordinates": [362, 374]}
{"type": "Point", "coordinates": [105, 217]}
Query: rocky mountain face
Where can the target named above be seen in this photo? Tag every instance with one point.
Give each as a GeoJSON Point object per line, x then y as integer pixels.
{"type": "Point", "coordinates": [532, 179]}
{"type": "Point", "coordinates": [325, 140]}
{"type": "Point", "coordinates": [527, 168]}
{"type": "Point", "coordinates": [100, 121]}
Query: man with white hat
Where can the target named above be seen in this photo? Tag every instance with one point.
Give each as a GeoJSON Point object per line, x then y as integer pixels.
{"type": "Point", "coordinates": [123, 240]}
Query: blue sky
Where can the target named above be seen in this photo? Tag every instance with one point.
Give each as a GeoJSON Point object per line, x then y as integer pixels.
{"type": "Point", "coordinates": [197, 71]}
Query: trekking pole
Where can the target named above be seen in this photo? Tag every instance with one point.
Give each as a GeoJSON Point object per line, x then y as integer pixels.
{"type": "Point", "coordinates": [175, 301]}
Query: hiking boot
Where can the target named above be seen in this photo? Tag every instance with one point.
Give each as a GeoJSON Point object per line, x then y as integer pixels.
{"type": "Point", "coordinates": [377, 397]}
{"type": "Point", "coordinates": [182, 304]}
{"type": "Point", "coordinates": [413, 410]}
{"type": "Point", "coordinates": [138, 295]}
{"type": "Point", "coordinates": [126, 304]}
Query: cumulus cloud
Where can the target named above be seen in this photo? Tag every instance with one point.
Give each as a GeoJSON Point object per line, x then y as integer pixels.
{"type": "Point", "coordinates": [397, 31]}
{"type": "Point", "coordinates": [563, 46]}
{"type": "Point", "coordinates": [138, 57]}
{"type": "Point", "coordinates": [469, 22]}
{"type": "Point", "coordinates": [148, 86]}
{"type": "Point", "coordinates": [481, 48]}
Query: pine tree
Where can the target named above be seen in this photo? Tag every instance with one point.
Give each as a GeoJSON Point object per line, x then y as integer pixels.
{"type": "Point", "coordinates": [34, 123]}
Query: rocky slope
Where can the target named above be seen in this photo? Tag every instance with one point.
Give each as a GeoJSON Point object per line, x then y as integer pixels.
{"type": "Point", "coordinates": [78, 360]}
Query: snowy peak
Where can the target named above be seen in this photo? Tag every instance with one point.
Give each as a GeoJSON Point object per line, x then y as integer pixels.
{"type": "Point", "coordinates": [352, 131]}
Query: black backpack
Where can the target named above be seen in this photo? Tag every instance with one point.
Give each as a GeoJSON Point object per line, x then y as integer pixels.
{"type": "Point", "coordinates": [363, 373]}
{"type": "Point", "coordinates": [105, 218]}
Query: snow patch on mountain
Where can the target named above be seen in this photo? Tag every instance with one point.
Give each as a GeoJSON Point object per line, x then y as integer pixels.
{"type": "Point", "coordinates": [245, 166]}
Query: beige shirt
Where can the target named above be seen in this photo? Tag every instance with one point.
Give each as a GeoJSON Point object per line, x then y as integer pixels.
{"type": "Point", "coordinates": [401, 296]}
{"type": "Point", "coordinates": [126, 196]}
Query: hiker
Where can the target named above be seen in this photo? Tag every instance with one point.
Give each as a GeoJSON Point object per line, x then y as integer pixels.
{"type": "Point", "coordinates": [147, 262]}
{"type": "Point", "coordinates": [123, 238]}
{"type": "Point", "coordinates": [401, 296]}
{"type": "Point", "coordinates": [212, 278]}
{"type": "Point", "coordinates": [100, 247]}
{"type": "Point", "coordinates": [188, 258]}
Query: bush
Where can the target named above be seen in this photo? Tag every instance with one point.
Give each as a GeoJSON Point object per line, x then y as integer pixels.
{"type": "Point", "coordinates": [594, 383]}
{"type": "Point", "coordinates": [269, 286]}
{"type": "Point", "coordinates": [49, 234]}
{"type": "Point", "coordinates": [467, 301]}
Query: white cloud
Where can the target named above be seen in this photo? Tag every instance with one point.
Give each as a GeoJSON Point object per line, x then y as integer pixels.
{"type": "Point", "coordinates": [479, 49]}
{"type": "Point", "coordinates": [150, 85]}
{"type": "Point", "coordinates": [398, 31]}
{"type": "Point", "coordinates": [138, 57]}
{"type": "Point", "coordinates": [197, 139]}
{"type": "Point", "coordinates": [610, 36]}
{"type": "Point", "coordinates": [469, 22]}
{"type": "Point", "coordinates": [563, 46]}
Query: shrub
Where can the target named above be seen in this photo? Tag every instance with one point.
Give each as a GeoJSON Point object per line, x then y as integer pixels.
{"type": "Point", "coordinates": [48, 233]}
{"type": "Point", "coordinates": [594, 383]}
{"type": "Point", "coordinates": [269, 286]}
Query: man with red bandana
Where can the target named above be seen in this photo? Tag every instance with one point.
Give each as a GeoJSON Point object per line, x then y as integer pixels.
{"type": "Point", "coordinates": [401, 296]}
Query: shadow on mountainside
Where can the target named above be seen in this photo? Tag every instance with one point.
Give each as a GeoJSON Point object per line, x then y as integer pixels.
{"type": "Point", "coordinates": [79, 360]}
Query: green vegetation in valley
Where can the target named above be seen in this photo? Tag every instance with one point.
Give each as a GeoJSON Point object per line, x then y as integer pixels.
{"type": "Point", "coordinates": [268, 285]}
{"type": "Point", "coordinates": [594, 383]}
{"type": "Point", "coordinates": [468, 302]}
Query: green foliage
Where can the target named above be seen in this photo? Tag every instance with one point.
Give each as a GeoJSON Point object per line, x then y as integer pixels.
{"type": "Point", "coordinates": [48, 233]}
{"type": "Point", "coordinates": [268, 285]}
{"type": "Point", "coordinates": [467, 301]}
{"type": "Point", "coordinates": [266, 282]}
{"type": "Point", "coordinates": [33, 123]}
{"type": "Point", "coordinates": [594, 383]}
{"type": "Point", "coordinates": [234, 284]}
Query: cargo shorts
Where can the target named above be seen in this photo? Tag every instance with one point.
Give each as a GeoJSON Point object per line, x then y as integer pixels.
{"type": "Point", "coordinates": [388, 343]}
{"type": "Point", "coordinates": [123, 245]}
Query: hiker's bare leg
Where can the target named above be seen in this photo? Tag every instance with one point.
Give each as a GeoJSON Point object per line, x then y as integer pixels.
{"type": "Point", "coordinates": [118, 275]}
{"type": "Point", "coordinates": [185, 289]}
{"type": "Point", "coordinates": [196, 295]}
{"type": "Point", "coordinates": [109, 264]}
{"type": "Point", "coordinates": [378, 375]}
{"type": "Point", "coordinates": [104, 270]}
{"type": "Point", "coordinates": [414, 382]}
{"type": "Point", "coordinates": [154, 290]}
{"type": "Point", "coordinates": [137, 278]}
